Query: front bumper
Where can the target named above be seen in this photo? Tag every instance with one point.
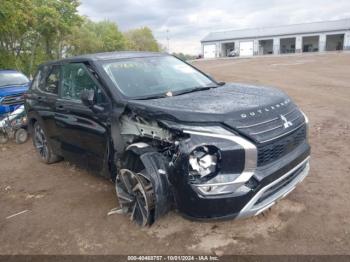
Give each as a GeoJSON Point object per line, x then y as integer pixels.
{"type": "Point", "coordinates": [251, 189]}
{"type": "Point", "coordinates": [272, 184]}
{"type": "Point", "coordinates": [278, 189]}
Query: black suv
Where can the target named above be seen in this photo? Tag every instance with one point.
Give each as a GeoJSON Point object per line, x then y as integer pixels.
{"type": "Point", "coordinates": [169, 135]}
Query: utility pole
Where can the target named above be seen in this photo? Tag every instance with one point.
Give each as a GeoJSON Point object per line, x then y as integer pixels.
{"type": "Point", "coordinates": [168, 40]}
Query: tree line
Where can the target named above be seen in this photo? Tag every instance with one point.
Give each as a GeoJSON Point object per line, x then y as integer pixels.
{"type": "Point", "coordinates": [34, 31]}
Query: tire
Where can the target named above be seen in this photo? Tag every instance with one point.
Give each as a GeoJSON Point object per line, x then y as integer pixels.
{"type": "Point", "coordinates": [3, 138]}
{"type": "Point", "coordinates": [42, 145]}
{"type": "Point", "coordinates": [21, 136]}
{"type": "Point", "coordinates": [135, 196]}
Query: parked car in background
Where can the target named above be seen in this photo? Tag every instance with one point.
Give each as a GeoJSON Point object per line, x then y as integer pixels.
{"type": "Point", "coordinates": [233, 53]}
{"type": "Point", "coordinates": [13, 85]}
{"type": "Point", "coordinates": [169, 135]}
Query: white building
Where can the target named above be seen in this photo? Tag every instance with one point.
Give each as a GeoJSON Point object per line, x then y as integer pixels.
{"type": "Point", "coordinates": [298, 38]}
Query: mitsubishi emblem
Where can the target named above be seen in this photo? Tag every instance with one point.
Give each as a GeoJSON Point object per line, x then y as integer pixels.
{"type": "Point", "coordinates": [286, 123]}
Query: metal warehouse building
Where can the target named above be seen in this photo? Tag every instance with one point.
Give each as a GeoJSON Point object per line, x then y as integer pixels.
{"type": "Point", "coordinates": [298, 38]}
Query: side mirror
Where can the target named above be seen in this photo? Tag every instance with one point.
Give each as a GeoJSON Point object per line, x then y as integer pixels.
{"type": "Point", "coordinates": [89, 100]}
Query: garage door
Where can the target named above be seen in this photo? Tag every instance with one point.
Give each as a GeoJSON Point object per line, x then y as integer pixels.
{"type": "Point", "coordinates": [209, 51]}
{"type": "Point", "coordinates": [246, 48]}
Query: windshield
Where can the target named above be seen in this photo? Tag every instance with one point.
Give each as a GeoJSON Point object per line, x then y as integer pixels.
{"type": "Point", "coordinates": [149, 77]}
{"type": "Point", "coordinates": [9, 78]}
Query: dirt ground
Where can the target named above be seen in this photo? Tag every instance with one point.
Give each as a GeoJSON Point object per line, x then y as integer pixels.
{"type": "Point", "coordinates": [67, 207]}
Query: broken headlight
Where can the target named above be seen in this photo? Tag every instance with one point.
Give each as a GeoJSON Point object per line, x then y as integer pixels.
{"type": "Point", "coordinates": [204, 161]}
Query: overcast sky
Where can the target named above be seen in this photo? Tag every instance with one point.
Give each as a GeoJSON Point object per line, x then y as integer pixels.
{"type": "Point", "coordinates": [189, 21]}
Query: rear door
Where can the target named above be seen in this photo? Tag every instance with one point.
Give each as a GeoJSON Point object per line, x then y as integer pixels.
{"type": "Point", "coordinates": [41, 100]}
{"type": "Point", "coordinates": [83, 134]}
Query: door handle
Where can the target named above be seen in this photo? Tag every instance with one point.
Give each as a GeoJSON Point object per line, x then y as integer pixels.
{"type": "Point", "coordinates": [61, 108]}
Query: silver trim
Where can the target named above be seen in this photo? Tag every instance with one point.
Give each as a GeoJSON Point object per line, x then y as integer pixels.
{"type": "Point", "coordinates": [250, 210]}
{"type": "Point", "coordinates": [307, 124]}
{"type": "Point", "coordinates": [295, 118]}
{"type": "Point", "coordinates": [306, 118]}
{"type": "Point", "coordinates": [267, 130]}
{"type": "Point", "coordinates": [258, 124]}
{"type": "Point", "coordinates": [250, 158]}
{"type": "Point", "coordinates": [267, 121]}
{"type": "Point", "coordinates": [284, 134]}
{"type": "Point", "coordinates": [291, 111]}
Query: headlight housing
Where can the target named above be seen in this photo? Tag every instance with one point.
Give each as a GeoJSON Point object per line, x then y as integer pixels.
{"type": "Point", "coordinates": [204, 161]}
{"type": "Point", "coordinates": [231, 162]}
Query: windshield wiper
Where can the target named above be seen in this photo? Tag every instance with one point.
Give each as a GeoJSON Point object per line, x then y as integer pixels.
{"type": "Point", "coordinates": [180, 92]}
{"type": "Point", "coordinates": [193, 89]}
{"type": "Point", "coordinates": [152, 97]}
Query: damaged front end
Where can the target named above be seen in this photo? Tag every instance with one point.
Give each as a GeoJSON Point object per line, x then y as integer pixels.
{"type": "Point", "coordinates": [211, 177]}
{"type": "Point", "coordinates": [142, 184]}
{"type": "Point", "coordinates": [168, 165]}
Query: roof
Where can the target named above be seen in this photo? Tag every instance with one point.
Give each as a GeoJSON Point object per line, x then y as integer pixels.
{"type": "Point", "coordinates": [116, 55]}
{"type": "Point", "coordinates": [305, 28]}
{"type": "Point", "coordinates": [107, 56]}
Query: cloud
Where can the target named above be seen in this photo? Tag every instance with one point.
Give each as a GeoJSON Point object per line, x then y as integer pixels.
{"type": "Point", "coordinates": [188, 21]}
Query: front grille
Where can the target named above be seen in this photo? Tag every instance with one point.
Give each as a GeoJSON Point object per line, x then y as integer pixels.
{"type": "Point", "coordinates": [12, 100]}
{"type": "Point", "coordinates": [271, 151]}
{"type": "Point", "coordinates": [264, 130]}
{"type": "Point", "coordinates": [284, 182]}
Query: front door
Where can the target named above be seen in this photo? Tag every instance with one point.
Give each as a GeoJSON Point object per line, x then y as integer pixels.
{"type": "Point", "coordinates": [83, 134]}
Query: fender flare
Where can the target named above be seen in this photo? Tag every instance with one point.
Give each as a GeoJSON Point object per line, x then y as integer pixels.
{"type": "Point", "coordinates": [32, 117]}
{"type": "Point", "coordinates": [156, 166]}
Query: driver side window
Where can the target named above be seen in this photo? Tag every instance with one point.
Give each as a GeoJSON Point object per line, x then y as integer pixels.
{"type": "Point", "coordinates": [75, 79]}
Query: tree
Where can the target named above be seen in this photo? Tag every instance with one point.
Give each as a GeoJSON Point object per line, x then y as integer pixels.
{"type": "Point", "coordinates": [94, 37]}
{"type": "Point", "coordinates": [110, 36]}
{"type": "Point", "coordinates": [141, 39]}
{"type": "Point", "coordinates": [16, 26]}
{"type": "Point", "coordinates": [34, 31]}
{"type": "Point", "coordinates": [184, 57]}
{"type": "Point", "coordinates": [57, 20]}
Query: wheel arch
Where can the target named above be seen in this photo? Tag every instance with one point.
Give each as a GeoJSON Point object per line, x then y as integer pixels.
{"type": "Point", "coordinates": [33, 117]}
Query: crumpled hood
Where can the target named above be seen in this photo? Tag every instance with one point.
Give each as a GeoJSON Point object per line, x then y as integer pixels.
{"type": "Point", "coordinates": [258, 112]}
{"type": "Point", "coordinates": [213, 105]}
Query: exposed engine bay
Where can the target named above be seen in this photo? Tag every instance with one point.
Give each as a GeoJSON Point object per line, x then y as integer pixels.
{"type": "Point", "coordinates": [147, 142]}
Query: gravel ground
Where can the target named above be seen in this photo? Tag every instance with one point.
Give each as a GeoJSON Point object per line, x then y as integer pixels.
{"type": "Point", "coordinates": [67, 207]}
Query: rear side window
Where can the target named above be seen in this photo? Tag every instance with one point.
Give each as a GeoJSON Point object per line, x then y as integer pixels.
{"type": "Point", "coordinates": [75, 79]}
{"type": "Point", "coordinates": [52, 81]}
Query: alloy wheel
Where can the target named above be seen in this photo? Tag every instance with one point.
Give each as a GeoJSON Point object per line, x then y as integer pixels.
{"type": "Point", "coordinates": [40, 142]}
{"type": "Point", "coordinates": [136, 196]}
